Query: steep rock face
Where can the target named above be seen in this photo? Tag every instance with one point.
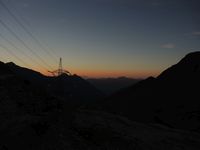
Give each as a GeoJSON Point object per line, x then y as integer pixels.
{"type": "Point", "coordinates": [187, 69]}
{"type": "Point", "coordinates": [171, 99]}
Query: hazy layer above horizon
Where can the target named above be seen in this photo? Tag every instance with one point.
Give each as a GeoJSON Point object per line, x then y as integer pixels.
{"type": "Point", "coordinates": [99, 38]}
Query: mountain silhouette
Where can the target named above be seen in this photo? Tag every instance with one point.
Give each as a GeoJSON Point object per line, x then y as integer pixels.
{"type": "Point", "coordinates": [33, 114]}
{"type": "Point", "coordinates": [171, 99]}
{"type": "Point", "coordinates": [112, 85]}
{"type": "Point", "coordinates": [41, 113]}
{"type": "Point", "coordinates": [20, 93]}
{"type": "Point", "coordinates": [68, 87]}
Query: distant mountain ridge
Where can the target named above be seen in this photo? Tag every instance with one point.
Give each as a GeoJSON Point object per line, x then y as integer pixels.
{"type": "Point", "coordinates": [112, 85]}
{"type": "Point", "coordinates": [171, 99]}
{"type": "Point", "coordinates": [33, 115]}
{"type": "Point", "coordinates": [69, 87]}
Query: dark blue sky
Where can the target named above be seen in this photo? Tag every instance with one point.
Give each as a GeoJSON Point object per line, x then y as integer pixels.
{"type": "Point", "coordinates": [136, 38]}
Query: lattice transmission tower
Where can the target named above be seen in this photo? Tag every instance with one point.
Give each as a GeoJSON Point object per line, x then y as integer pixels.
{"type": "Point", "coordinates": [60, 70]}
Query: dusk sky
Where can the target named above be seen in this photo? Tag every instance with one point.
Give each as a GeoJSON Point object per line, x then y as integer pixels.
{"type": "Point", "coordinates": [99, 38]}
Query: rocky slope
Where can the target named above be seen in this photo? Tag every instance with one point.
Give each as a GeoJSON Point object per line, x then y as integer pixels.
{"type": "Point", "coordinates": [171, 99]}
{"type": "Point", "coordinates": [32, 118]}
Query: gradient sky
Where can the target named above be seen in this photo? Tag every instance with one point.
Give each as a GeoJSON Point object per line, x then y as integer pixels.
{"type": "Point", "coordinates": [101, 38]}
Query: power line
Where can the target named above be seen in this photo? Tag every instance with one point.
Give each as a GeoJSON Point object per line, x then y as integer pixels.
{"type": "Point", "coordinates": [13, 54]}
{"type": "Point", "coordinates": [24, 44]}
{"type": "Point", "coordinates": [2, 57]}
{"type": "Point", "coordinates": [60, 70]}
{"type": "Point", "coordinates": [17, 12]}
{"type": "Point", "coordinates": [26, 30]}
{"type": "Point", "coordinates": [13, 45]}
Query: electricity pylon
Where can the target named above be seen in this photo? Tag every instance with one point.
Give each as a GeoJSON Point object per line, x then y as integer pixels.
{"type": "Point", "coordinates": [60, 70]}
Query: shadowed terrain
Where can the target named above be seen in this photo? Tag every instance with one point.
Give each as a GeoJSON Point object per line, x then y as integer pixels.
{"type": "Point", "coordinates": [112, 85]}
{"type": "Point", "coordinates": [156, 113]}
{"type": "Point", "coordinates": [171, 99]}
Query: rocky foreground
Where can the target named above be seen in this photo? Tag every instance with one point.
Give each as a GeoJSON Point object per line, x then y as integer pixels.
{"type": "Point", "coordinates": [33, 118]}
{"type": "Point", "coordinates": [90, 130]}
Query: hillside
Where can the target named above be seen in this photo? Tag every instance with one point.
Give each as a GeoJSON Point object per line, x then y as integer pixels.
{"type": "Point", "coordinates": [156, 113]}
{"type": "Point", "coordinates": [68, 87]}
{"type": "Point", "coordinates": [171, 99]}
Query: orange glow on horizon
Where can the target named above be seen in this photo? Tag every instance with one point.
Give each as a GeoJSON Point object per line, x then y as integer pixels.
{"type": "Point", "coordinates": [107, 74]}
